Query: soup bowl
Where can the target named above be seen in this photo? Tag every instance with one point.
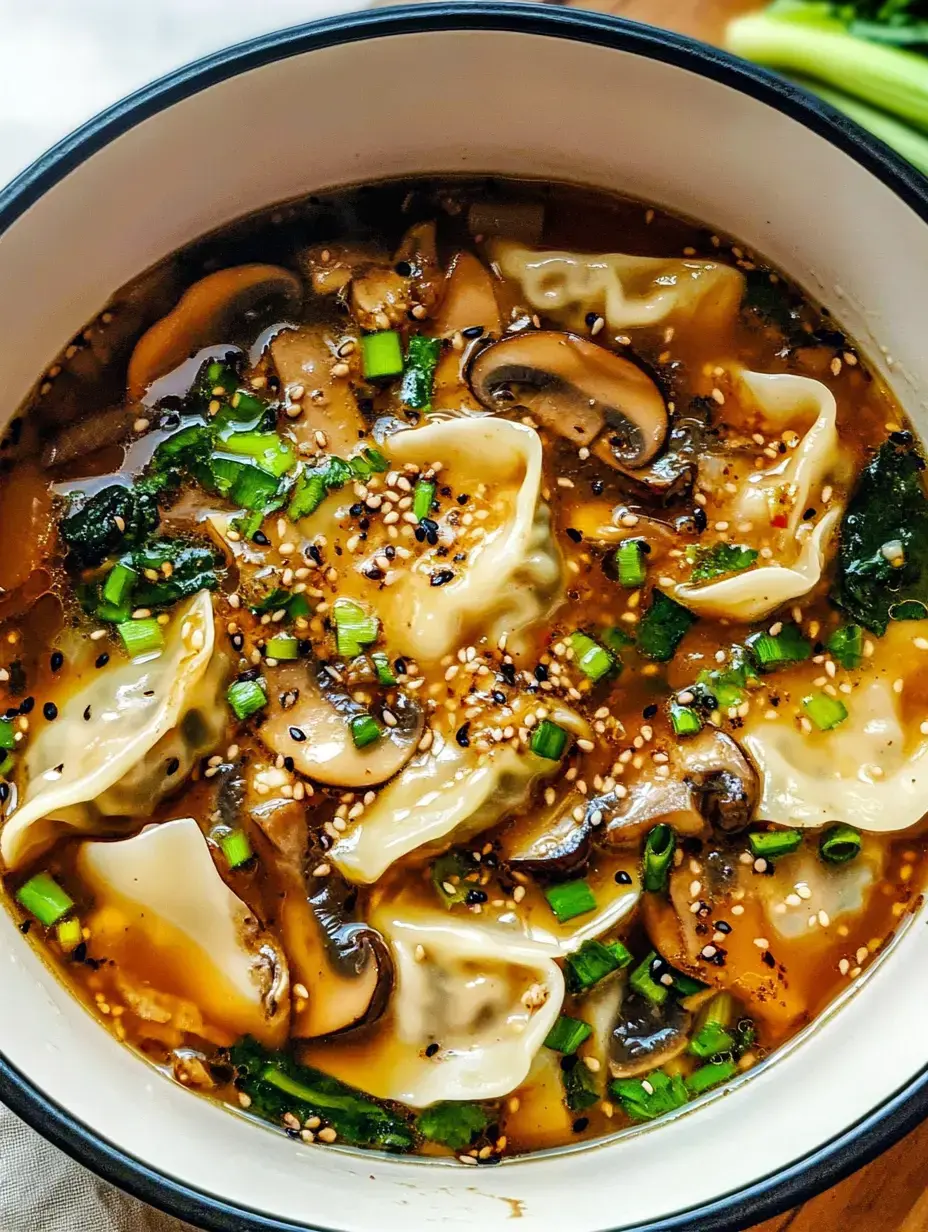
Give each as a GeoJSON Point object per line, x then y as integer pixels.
{"type": "Point", "coordinates": [473, 88]}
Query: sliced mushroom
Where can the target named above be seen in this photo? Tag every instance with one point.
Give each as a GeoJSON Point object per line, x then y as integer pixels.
{"type": "Point", "coordinates": [552, 845]}
{"type": "Point", "coordinates": [343, 963]}
{"type": "Point", "coordinates": [647, 1036]}
{"type": "Point", "coordinates": [711, 781]}
{"type": "Point", "coordinates": [305, 357]}
{"type": "Point", "coordinates": [579, 390]}
{"type": "Point", "coordinates": [309, 721]}
{"type": "Point", "coordinates": [209, 312]}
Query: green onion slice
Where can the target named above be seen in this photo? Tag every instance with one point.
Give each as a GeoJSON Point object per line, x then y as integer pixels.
{"type": "Point", "coordinates": [141, 636]}
{"type": "Point", "coordinates": [630, 562]}
{"type": "Point", "coordinates": [549, 740]}
{"type": "Point", "coordinates": [592, 962]}
{"type": "Point", "coordinates": [593, 660]}
{"type": "Point", "coordinates": [381, 355]}
{"type": "Point", "coordinates": [839, 844]}
{"type": "Point", "coordinates": [642, 981]}
{"type": "Point", "coordinates": [246, 697]}
{"type": "Point", "coordinates": [236, 847]}
{"type": "Point", "coordinates": [365, 730]}
{"type": "Point", "coordinates": [769, 844]}
{"type": "Point", "coordinates": [711, 1075]}
{"type": "Point", "coordinates": [824, 710]}
{"type": "Point", "coordinates": [788, 646]}
{"type": "Point", "coordinates": [644, 1099]}
{"type": "Point", "coordinates": [354, 627]}
{"type": "Point", "coordinates": [7, 734]}
{"type": "Point", "coordinates": [283, 646]}
{"type": "Point", "coordinates": [685, 720]}
{"type": "Point", "coordinates": [570, 899]}
{"type": "Point", "coordinates": [383, 668]}
{"type": "Point", "coordinates": [422, 497]}
{"type": "Point", "coordinates": [69, 934]}
{"type": "Point", "coordinates": [44, 898]}
{"type": "Point", "coordinates": [119, 583]}
{"type": "Point", "coordinates": [568, 1034]}
{"type": "Point", "coordinates": [659, 847]}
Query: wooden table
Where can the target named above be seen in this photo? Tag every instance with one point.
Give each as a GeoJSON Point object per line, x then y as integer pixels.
{"type": "Point", "coordinates": [891, 1194]}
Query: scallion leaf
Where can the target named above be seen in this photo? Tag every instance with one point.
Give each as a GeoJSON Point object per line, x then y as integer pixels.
{"type": "Point", "coordinates": [645, 1099]}
{"type": "Point", "coordinates": [567, 1035]}
{"type": "Point", "coordinates": [685, 720]}
{"type": "Point", "coordinates": [354, 627]}
{"type": "Point", "coordinates": [246, 697]}
{"type": "Point", "coordinates": [663, 627]}
{"type": "Point", "coordinates": [711, 1075]}
{"type": "Point", "coordinates": [824, 710]}
{"type": "Point", "coordinates": [593, 660]}
{"type": "Point", "coordinates": [659, 847]}
{"type": "Point", "coordinates": [771, 652]}
{"type": "Point", "coordinates": [419, 373]}
{"type": "Point", "coordinates": [422, 497]}
{"type": "Point", "coordinates": [381, 355]}
{"type": "Point", "coordinates": [269, 451]}
{"type": "Point", "coordinates": [642, 982]}
{"type": "Point", "coordinates": [770, 844]}
{"type": "Point", "coordinates": [847, 646]}
{"type": "Point", "coordinates": [385, 673]}
{"type": "Point", "coordinates": [630, 562]}
{"type": "Point", "coordinates": [365, 730]}
{"type": "Point", "coordinates": [710, 1040]}
{"type": "Point", "coordinates": [452, 1123]}
{"type": "Point", "coordinates": [570, 899]}
{"type": "Point", "coordinates": [284, 646]}
{"type": "Point", "coordinates": [839, 844]}
{"type": "Point", "coordinates": [119, 583]}
{"type": "Point", "coordinates": [141, 636]}
{"type": "Point", "coordinates": [44, 898]}
{"type": "Point", "coordinates": [548, 740]}
{"type": "Point", "coordinates": [7, 734]}
{"type": "Point", "coordinates": [592, 962]}
{"type": "Point", "coordinates": [236, 847]}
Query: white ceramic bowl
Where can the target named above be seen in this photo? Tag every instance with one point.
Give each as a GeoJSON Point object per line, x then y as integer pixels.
{"type": "Point", "coordinates": [472, 88]}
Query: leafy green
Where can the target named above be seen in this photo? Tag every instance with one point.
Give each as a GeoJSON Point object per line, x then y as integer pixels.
{"type": "Point", "coordinates": [889, 509]}
{"type": "Point", "coordinates": [452, 1123]}
{"type": "Point", "coordinates": [581, 1088]}
{"type": "Point", "coordinates": [642, 1104]}
{"type": "Point", "coordinates": [452, 868]}
{"type": "Point", "coordinates": [663, 627]}
{"type": "Point", "coordinates": [419, 372]}
{"type": "Point", "coordinates": [276, 1085]}
{"type": "Point", "coordinates": [91, 531]}
{"type": "Point", "coordinates": [726, 686]}
{"type": "Point", "coordinates": [719, 559]}
{"type": "Point", "coordinates": [195, 567]}
{"type": "Point", "coordinates": [314, 484]}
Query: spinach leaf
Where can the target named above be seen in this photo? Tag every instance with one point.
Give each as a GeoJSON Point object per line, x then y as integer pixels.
{"type": "Point", "coordinates": [663, 627]}
{"type": "Point", "coordinates": [452, 1124]}
{"type": "Point", "coordinates": [719, 559]}
{"type": "Point", "coordinates": [101, 525]}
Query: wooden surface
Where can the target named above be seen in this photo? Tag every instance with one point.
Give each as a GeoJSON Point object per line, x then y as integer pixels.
{"type": "Point", "coordinates": [891, 1194]}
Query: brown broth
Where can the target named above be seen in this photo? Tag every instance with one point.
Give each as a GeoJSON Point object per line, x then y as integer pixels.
{"type": "Point", "coordinates": [77, 433]}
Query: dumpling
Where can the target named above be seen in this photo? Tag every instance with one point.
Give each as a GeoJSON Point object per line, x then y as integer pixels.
{"type": "Point", "coordinates": [840, 890]}
{"type": "Point", "coordinates": [785, 490]}
{"type": "Point", "coordinates": [112, 751]}
{"type": "Point", "coordinates": [486, 996]}
{"type": "Point", "coordinates": [184, 943]}
{"type": "Point", "coordinates": [863, 772]}
{"type": "Point", "coordinates": [445, 795]}
{"type": "Point", "coordinates": [512, 577]}
{"type": "Point", "coordinates": [615, 902]}
{"type": "Point", "coordinates": [630, 292]}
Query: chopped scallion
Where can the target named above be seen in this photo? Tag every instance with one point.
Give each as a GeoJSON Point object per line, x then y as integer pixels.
{"type": "Point", "coordinates": [254, 488]}
{"type": "Point", "coordinates": [283, 646]}
{"type": "Point", "coordinates": [659, 847]}
{"type": "Point", "coordinates": [236, 847]}
{"type": "Point", "coordinates": [44, 898]}
{"type": "Point", "coordinates": [246, 697]}
{"type": "Point", "coordinates": [593, 660]}
{"type": "Point", "coordinates": [788, 646]}
{"type": "Point", "coordinates": [581, 1085]}
{"type": "Point", "coordinates": [592, 962]}
{"type": "Point", "coordinates": [419, 373]}
{"type": "Point", "coordinates": [568, 1034]}
{"type": "Point", "coordinates": [548, 740]}
{"type": "Point", "coordinates": [267, 449]}
{"type": "Point", "coordinates": [7, 734]}
{"type": "Point", "coordinates": [847, 646]}
{"type": "Point", "coordinates": [645, 1099]}
{"type": "Point", "coordinates": [118, 584]}
{"type": "Point", "coordinates": [570, 899]}
{"type": "Point", "coordinates": [824, 710]}
{"type": "Point", "coordinates": [663, 627]}
{"type": "Point", "coordinates": [354, 628]}
{"type": "Point", "coordinates": [630, 562]}
{"type": "Point", "coordinates": [709, 1076]}
{"type": "Point", "coordinates": [365, 730]}
{"type": "Point", "coordinates": [642, 982]}
{"type": "Point", "coordinates": [69, 934]}
{"type": "Point", "coordinates": [6, 765]}
{"type": "Point", "coordinates": [383, 668]}
{"type": "Point", "coordinates": [422, 498]}
{"type": "Point", "coordinates": [298, 606]}
{"type": "Point", "coordinates": [685, 720]}
{"type": "Point", "coordinates": [712, 1036]}
{"type": "Point", "coordinates": [381, 355]}
{"type": "Point", "coordinates": [770, 844]}
{"type": "Point", "coordinates": [141, 636]}
{"type": "Point", "coordinates": [839, 844]}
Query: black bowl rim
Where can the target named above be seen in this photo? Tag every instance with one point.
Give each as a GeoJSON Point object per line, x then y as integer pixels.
{"type": "Point", "coordinates": [907, 1107]}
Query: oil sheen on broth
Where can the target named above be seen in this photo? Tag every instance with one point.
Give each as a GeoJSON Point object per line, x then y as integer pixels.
{"type": "Point", "coordinates": [464, 661]}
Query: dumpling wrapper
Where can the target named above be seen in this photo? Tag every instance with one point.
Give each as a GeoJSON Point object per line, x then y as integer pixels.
{"type": "Point", "coordinates": [840, 890]}
{"type": "Point", "coordinates": [165, 917]}
{"type": "Point", "coordinates": [512, 579]}
{"type": "Point", "coordinates": [614, 904]}
{"type": "Point", "coordinates": [783, 401]}
{"type": "Point", "coordinates": [144, 712]}
{"type": "Point", "coordinates": [466, 995]}
{"type": "Point", "coordinates": [864, 772]}
{"type": "Point", "coordinates": [630, 292]}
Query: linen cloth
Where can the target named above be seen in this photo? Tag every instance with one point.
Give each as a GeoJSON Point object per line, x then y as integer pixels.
{"type": "Point", "coordinates": [62, 62]}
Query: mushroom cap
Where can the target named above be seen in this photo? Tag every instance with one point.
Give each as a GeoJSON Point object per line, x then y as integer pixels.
{"type": "Point", "coordinates": [581, 391]}
{"type": "Point", "coordinates": [313, 728]}
{"type": "Point", "coordinates": [646, 1036]}
{"type": "Point", "coordinates": [206, 313]}
{"type": "Point", "coordinates": [551, 845]}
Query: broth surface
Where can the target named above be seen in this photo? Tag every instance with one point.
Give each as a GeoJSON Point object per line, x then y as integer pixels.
{"type": "Point", "coordinates": [465, 640]}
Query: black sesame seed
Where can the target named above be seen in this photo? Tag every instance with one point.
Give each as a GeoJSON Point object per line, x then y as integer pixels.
{"type": "Point", "coordinates": [250, 673]}
{"type": "Point", "coordinates": [499, 697]}
{"type": "Point", "coordinates": [57, 660]}
{"type": "Point", "coordinates": [700, 519]}
{"type": "Point", "coordinates": [580, 1124]}
{"type": "Point", "coordinates": [403, 268]}
{"type": "Point", "coordinates": [649, 712]}
{"type": "Point", "coordinates": [431, 1050]}
{"type": "Point", "coordinates": [591, 318]}
{"type": "Point", "coordinates": [441, 577]}
{"type": "Point", "coordinates": [297, 733]}
{"type": "Point", "coordinates": [768, 958]}
{"type": "Point", "coordinates": [475, 896]}
{"type": "Point", "coordinates": [462, 735]}
{"type": "Point", "coordinates": [541, 672]}
{"type": "Point", "coordinates": [50, 711]}
{"type": "Point", "coordinates": [623, 878]}
{"type": "Point", "coordinates": [289, 764]}
{"type": "Point", "coordinates": [4, 792]}
{"type": "Point", "coordinates": [27, 705]}
{"type": "Point", "coordinates": [463, 498]}
{"type": "Point", "coordinates": [487, 1161]}
{"type": "Point", "coordinates": [428, 524]}
{"type": "Point", "coordinates": [573, 534]}
{"type": "Point", "coordinates": [723, 926]}
{"type": "Point", "coordinates": [901, 438]}
{"type": "Point", "coordinates": [314, 554]}
{"type": "Point", "coordinates": [356, 509]}
{"type": "Point", "coordinates": [399, 666]}
{"type": "Point", "coordinates": [25, 926]}
{"type": "Point", "coordinates": [102, 660]}
{"type": "Point", "coordinates": [261, 539]}
{"type": "Point", "coordinates": [374, 573]}
{"type": "Point", "coordinates": [173, 766]}
{"type": "Point", "coordinates": [808, 515]}
{"type": "Point", "coordinates": [508, 673]}
{"type": "Point", "coordinates": [472, 331]}
{"type": "Point", "coordinates": [420, 534]}
{"type": "Point", "coordinates": [87, 714]}
{"type": "Point", "coordinates": [597, 487]}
